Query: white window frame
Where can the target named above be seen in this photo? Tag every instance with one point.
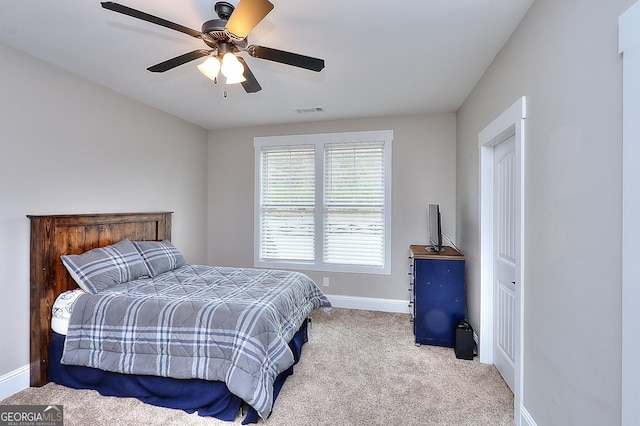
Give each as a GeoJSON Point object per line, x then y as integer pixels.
{"type": "Point", "coordinates": [319, 141]}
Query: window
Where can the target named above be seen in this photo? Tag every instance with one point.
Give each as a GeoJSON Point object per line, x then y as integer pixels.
{"type": "Point", "coordinates": [323, 202]}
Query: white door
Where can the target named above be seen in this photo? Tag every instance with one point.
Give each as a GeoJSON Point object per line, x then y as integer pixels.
{"type": "Point", "coordinates": [504, 259]}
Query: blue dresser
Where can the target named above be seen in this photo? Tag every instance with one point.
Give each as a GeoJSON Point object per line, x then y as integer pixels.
{"type": "Point", "coordinates": [437, 295]}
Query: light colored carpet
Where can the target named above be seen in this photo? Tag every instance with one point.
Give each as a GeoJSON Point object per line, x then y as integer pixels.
{"type": "Point", "coordinates": [358, 368]}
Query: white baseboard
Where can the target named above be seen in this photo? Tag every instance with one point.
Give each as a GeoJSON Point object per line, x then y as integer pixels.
{"type": "Point", "coordinates": [369, 303]}
{"type": "Point", "coordinates": [14, 381]}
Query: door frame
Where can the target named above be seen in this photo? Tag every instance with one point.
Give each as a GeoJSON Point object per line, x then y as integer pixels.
{"type": "Point", "coordinates": [509, 123]}
{"type": "Point", "coordinates": [629, 47]}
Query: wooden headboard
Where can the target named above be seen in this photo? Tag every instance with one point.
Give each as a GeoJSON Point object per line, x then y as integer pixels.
{"type": "Point", "coordinates": [54, 236]}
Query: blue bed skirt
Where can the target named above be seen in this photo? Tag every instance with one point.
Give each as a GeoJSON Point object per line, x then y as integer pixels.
{"type": "Point", "coordinates": [208, 398]}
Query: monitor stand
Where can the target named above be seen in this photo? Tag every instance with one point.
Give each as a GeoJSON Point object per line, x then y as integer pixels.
{"type": "Point", "coordinates": [432, 249]}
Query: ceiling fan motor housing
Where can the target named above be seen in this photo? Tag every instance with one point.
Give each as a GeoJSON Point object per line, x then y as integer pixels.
{"type": "Point", "coordinates": [215, 32]}
{"type": "Point", "coordinates": [216, 27]}
{"type": "Point", "coordinates": [224, 9]}
{"type": "Point", "coordinates": [214, 35]}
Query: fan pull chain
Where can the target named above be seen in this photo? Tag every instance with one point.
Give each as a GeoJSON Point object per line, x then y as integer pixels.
{"type": "Point", "coordinates": [225, 94]}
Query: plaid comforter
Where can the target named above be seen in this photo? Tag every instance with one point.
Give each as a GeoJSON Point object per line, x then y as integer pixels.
{"type": "Point", "coordinates": [212, 323]}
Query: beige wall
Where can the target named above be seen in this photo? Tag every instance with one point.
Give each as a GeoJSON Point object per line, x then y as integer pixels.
{"type": "Point", "coordinates": [61, 134]}
{"type": "Point", "coordinates": [423, 171]}
{"type": "Point", "coordinates": [563, 58]}
{"type": "Point", "coordinates": [69, 146]}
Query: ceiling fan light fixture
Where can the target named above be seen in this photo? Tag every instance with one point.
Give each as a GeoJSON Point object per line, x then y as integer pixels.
{"type": "Point", "coordinates": [232, 69]}
{"type": "Point", "coordinates": [210, 67]}
{"type": "Point", "coordinates": [226, 35]}
{"type": "Point", "coordinates": [235, 79]}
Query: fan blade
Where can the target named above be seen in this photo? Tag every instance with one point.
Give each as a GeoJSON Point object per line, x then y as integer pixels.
{"type": "Point", "coordinates": [116, 7]}
{"type": "Point", "coordinates": [301, 61]}
{"type": "Point", "coordinates": [247, 14]}
{"type": "Point", "coordinates": [179, 60]}
{"type": "Point", "coordinates": [251, 85]}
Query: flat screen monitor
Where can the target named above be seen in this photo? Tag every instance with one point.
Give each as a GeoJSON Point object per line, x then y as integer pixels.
{"type": "Point", "coordinates": [435, 228]}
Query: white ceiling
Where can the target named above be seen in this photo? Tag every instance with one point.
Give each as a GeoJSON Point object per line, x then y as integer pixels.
{"type": "Point", "coordinates": [382, 58]}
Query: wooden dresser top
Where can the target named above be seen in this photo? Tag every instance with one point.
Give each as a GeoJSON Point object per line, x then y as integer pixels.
{"type": "Point", "coordinates": [423, 252]}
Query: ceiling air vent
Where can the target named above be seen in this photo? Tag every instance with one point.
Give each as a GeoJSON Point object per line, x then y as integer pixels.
{"type": "Point", "coordinates": [310, 109]}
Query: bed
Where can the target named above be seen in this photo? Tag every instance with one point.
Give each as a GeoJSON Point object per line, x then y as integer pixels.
{"type": "Point", "coordinates": [234, 348]}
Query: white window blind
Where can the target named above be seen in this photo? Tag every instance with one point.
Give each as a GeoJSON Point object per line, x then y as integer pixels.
{"type": "Point", "coordinates": [354, 204]}
{"type": "Point", "coordinates": [288, 203]}
{"type": "Point", "coordinates": [323, 202]}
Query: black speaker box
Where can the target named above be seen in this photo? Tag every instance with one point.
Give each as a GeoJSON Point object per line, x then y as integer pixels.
{"type": "Point", "coordinates": [464, 341]}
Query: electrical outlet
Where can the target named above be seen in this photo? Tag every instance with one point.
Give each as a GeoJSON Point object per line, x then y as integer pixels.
{"type": "Point", "coordinates": [325, 281]}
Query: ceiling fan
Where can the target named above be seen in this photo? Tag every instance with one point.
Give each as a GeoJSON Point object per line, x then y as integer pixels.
{"type": "Point", "coordinates": [225, 37]}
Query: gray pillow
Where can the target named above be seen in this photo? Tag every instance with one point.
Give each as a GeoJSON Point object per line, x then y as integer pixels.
{"type": "Point", "coordinates": [159, 256]}
{"type": "Point", "coordinates": [104, 267]}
